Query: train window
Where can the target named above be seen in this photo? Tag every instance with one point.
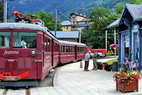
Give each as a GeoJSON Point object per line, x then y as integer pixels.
{"type": "Point", "coordinates": [45, 44]}
{"type": "Point", "coordinates": [78, 49]}
{"type": "Point", "coordinates": [82, 49]}
{"type": "Point", "coordinates": [56, 47]}
{"type": "Point", "coordinates": [4, 39]}
{"type": "Point", "coordinates": [24, 40]}
{"type": "Point", "coordinates": [64, 48]}
{"type": "Point", "coordinates": [48, 45]}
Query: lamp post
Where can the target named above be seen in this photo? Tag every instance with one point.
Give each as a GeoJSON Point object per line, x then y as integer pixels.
{"type": "Point", "coordinates": [115, 41]}
{"type": "Point", "coordinates": [106, 39]}
{"type": "Point", "coordinates": [5, 10]}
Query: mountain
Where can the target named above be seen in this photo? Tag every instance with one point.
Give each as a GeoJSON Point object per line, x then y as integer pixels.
{"type": "Point", "coordinates": [63, 6]}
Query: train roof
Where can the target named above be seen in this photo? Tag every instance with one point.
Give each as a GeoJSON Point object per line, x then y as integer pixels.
{"type": "Point", "coordinates": [21, 26]}
{"type": "Point", "coordinates": [26, 26]}
{"type": "Point", "coordinates": [34, 27]}
{"type": "Point", "coordinates": [71, 43]}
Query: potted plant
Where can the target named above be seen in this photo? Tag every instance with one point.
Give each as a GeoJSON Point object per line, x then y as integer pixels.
{"type": "Point", "coordinates": [126, 81]}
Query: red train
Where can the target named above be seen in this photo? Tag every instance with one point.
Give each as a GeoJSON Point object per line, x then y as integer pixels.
{"type": "Point", "coordinates": [29, 51]}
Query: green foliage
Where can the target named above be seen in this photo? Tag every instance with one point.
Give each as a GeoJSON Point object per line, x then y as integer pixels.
{"type": "Point", "coordinates": [1, 12]}
{"type": "Point", "coordinates": [47, 18]}
{"type": "Point", "coordinates": [110, 53]}
{"type": "Point", "coordinates": [95, 34]}
{"type": "Point", "coordinates": [119, 7]}
{"type": "Point", "coordinates": [135, 1]}
{"type": "Point", "coordinates": [100, 18]}
{"type": "Point", "coordinates": [110, 62]}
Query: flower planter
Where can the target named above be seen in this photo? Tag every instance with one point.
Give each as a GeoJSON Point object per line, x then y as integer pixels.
{"type": "Point", "coordinates": [126, 85]}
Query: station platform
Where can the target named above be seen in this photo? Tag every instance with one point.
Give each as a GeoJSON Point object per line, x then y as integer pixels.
{"type": "Point", "coordinates": [72, 80]}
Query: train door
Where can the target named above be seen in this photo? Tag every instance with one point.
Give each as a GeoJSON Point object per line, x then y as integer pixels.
{"type": "Point", "coordinates": [55, 53]}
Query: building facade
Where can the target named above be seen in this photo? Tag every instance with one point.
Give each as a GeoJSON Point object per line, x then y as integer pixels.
{"type": "Point", "coordinates": [129, 27]}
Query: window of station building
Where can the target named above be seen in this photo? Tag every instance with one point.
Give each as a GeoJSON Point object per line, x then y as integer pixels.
{"type": "Point", "coordinates": [4, 39]}
{"type": "Point", "coordinates": [24, 40]}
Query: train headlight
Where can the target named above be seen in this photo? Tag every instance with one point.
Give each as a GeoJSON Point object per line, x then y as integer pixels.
{"type": "Point", "coordinates": [33, 52]}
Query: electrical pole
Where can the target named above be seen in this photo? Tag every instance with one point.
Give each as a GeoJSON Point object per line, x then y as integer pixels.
{"type": "Point", "coordinates": [5, 10]}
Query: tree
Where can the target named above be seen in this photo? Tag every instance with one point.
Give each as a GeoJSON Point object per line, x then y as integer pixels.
{"type": "Point", "coordinates": [119, 7]}
{"type": "Point", "coordinates": [47, 18]}
{"type": "Point", "coordinates": [1, 11]}
{"type": "Point", "coordinates": [95, 34]}
{"type": "Point", "coordinates": [135, 1]}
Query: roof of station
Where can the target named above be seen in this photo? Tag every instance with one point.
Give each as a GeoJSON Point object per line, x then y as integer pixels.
{"type": "Point", "coordinates": [135, 10]}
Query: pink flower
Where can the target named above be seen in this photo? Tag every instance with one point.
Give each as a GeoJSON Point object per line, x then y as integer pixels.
{"type": "Point", "coordinates": [113, 46]}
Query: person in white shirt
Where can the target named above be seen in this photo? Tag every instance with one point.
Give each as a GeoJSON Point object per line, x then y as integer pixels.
{"type": "Point", "coordinates": [87, 58]}
{"type": "Point", "coordinates": [23, 44]}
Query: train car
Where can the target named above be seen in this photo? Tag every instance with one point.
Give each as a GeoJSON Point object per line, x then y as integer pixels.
{"type": "Point", "coordinates": [28, 52]}
{"type": "Point", "coordinates": [80, 51]}
{"type": "Point", "coordinates": [71, 51]}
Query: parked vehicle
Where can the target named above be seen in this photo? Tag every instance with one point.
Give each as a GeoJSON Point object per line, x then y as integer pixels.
{"type": "Point", "coordinates": [99, 52]}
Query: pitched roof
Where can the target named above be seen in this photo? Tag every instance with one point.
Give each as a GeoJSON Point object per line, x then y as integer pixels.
{"type": "Point", "coordinates": [66, 34]}
{"type": "Point", "coordinates": [116, 23]}
{"type": "Point", "coordinates": [135, 11]}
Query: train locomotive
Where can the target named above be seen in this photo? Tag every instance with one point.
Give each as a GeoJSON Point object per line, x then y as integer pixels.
{"type": "Point", "coordinates": [29, 51]}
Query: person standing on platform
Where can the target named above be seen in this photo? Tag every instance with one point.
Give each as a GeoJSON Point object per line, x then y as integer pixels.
{"type": "Point", "coordinates": [95, 66]}
{"type": "Point", "coordinates": [87, 58]}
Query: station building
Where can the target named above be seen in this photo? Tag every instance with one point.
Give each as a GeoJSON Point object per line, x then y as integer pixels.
{"type": "Point", "coordinates": [129, 28]}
